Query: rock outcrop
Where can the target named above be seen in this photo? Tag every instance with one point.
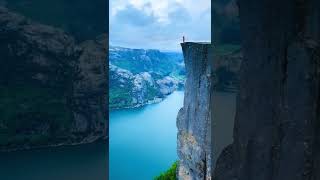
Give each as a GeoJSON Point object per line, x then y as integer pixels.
{"type": "Point", "coordinates": [194, 119]}
{"type": "Point", "coordinates": [139, 76]}
{"type": "Point", "coordinates": [129, 90]}
{"type": "Point", "coordinates": [146, 60]}
{"type": "Point", "coordinates": [53, 91]}
{"type": "Point", "coordinates": [276, 131]}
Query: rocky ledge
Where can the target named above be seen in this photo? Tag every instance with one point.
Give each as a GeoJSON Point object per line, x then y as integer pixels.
{"type": "Point", "coordinates": [129, 90]}
{"type": "Point", "coordinates": [194, 119]}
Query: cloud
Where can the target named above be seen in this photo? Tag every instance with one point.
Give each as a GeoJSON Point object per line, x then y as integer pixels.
{"type": "Point", "coordinates": [141, 18]}
{"type": "Point", "coordinates": [159, 24]}
{"type": "Point", "coordinates": [180, 15]}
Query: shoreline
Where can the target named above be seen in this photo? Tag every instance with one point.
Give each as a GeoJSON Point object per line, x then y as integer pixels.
{"type": "Point", "coordinates": [27, 148]}
{"type": "Point", "coordinates": [149, 102]}
{"type": "Point", "coordinates": [87, 140]}
{"type": "Point", "coordinates": [154, 101]}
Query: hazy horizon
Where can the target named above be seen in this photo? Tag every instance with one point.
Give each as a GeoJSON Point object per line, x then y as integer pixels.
{"type": "Point", "coordinates": [161, 50]}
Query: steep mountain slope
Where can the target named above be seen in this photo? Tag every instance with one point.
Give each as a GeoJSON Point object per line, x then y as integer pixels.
{"type": "Point", "coordinates": [140, 60]}
{"type": "Point", "coordinates": [139, 76]}
{"type": "Point", "coordinates": [53, 91]}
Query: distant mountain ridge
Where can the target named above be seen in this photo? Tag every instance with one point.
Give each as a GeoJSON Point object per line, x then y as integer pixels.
{"type": "Point", "coordinates": [138, 76]}
{"type": "Point", "coordinates": [139, 60]}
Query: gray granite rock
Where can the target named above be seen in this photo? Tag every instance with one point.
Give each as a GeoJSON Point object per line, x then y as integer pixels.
{"type": "Point", "coordinates": [138, 89]}
{"type": "Point", "coordinates": [276, 131]}
{"type": "Point", "coordinates": [194, 119]}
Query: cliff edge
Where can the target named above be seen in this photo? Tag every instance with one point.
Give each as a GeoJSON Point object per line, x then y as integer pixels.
{"type": "Point", "coordinates": [194, 119]}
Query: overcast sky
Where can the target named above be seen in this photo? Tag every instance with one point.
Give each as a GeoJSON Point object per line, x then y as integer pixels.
{"type": "Point", "coordinates": [159, 24]}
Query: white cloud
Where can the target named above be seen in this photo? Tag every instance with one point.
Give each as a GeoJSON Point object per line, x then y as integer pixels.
{"type": "Point", "coordinates": [171, 19]}
{"type": "Point", "coordinates": [162, 8]}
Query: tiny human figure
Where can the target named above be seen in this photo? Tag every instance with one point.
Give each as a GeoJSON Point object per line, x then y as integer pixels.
{"type": "Point", "coordinates": [183, 39]}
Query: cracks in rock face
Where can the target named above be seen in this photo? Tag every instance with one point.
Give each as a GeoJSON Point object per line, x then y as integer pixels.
{"type": "Point", "coordinates": [193, 120]}
{"type": "Point", "coordinates": [205, 166]}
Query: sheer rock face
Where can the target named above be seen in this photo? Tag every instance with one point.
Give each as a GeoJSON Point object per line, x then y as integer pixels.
{"type": "Point", "coordinates": [53, 91]}
{"type": "Point", "coordinates": [194, 119]}
{"type": "Point", "coordinates": [276, 132]}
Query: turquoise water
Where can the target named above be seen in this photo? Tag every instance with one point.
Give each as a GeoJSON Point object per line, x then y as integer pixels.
{"type": "Point", "coordinates": [83, 162]}
{"type": "Point", "coordinates": [143, 140]}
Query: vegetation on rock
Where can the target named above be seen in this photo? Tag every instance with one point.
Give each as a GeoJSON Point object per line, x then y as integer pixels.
{"type": "Point", "coordinates": [138, 76]}
{"type": "Point", "coordinates": [170, 174]}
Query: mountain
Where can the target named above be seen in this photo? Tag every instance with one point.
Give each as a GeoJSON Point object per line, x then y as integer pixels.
{"type": "Point", "coordinates": [138, 76]}
{"type": "Point", "coordinates": [140, 60]}
{"type": "Point", "coordinates": [52, 89]}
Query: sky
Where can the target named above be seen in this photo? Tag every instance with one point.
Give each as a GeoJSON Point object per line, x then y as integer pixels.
{"type": "Point", "coordinates": [158, 24]}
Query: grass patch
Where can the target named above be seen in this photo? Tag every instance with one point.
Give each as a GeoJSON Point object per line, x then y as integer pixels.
{"type": "Point", "coordinates": [119, 97]}
{"type": "Point", "coordinates": [170, 174]}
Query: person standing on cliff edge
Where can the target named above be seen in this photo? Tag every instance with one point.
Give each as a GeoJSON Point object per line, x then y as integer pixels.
{"type": "Point", "coordinates": [183, 39]}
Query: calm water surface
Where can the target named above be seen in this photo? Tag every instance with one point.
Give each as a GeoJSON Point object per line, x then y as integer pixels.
{"type": "Point", "coordinates": [83, 162]}
{"type": "Point", "coordinates": [143, 140]}
{"type": "Point", "coordinates": [142, 144]}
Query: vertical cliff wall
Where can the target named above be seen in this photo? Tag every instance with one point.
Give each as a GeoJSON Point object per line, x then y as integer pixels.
{"type": "Point", "coordinates": [276, 132]}
{"type": "Point", "coordinates": [194, 119]}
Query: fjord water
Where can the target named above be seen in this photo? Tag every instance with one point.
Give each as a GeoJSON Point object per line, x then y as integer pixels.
{"type": "Point", "coordinates": [143, 140]}
{"type": "Point", "coordinates": [83, 162]}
